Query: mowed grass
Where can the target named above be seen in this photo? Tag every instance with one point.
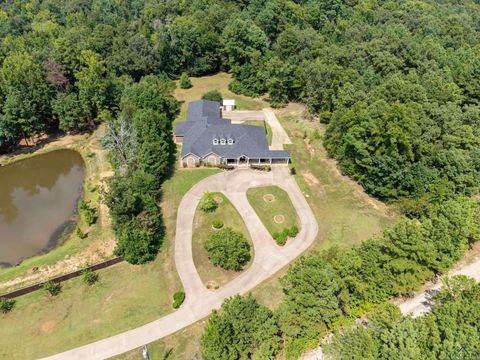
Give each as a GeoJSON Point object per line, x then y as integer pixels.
{"type": "Point", "coordinates": [184, 344]}
{"type": "Point", "coordinates": [126, 296]}
{"type": "Point", "coordinates": [346, 216]}
{"type": "Point", "coordinates": [280, 205]}
{"type": "Point", "coordinates": [218, 82]}
{"type": "Point", "coordinates": [202, 230]}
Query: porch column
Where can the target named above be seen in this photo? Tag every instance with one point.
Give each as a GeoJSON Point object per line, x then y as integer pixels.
{"type": "Point", "coordinates": [248, 161]}
{"type": "Point", "coordinates": [270, 161]}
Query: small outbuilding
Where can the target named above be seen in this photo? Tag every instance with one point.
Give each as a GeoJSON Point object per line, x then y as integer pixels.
{"type": "Point", "coordinates": [228, 105]}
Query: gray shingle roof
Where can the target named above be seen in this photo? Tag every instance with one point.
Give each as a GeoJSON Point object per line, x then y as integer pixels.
{"type": "Point", "coordinates": [204, 124]}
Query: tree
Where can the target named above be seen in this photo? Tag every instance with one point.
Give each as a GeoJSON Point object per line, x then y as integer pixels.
{"type": "Point", "coordinates": [26, 97]}
{"type": "Point", "coordinates": [241, 328]}
{"type": "Point", "coordinates": [245, 44]}
{"type": "Point", "coordinates": [121, 139]}
{"type": "Point", "coordinates": [69, 112]}
{"type": "Point", "coordinates": [92, 84]}
{"type": "Point", "coordinates": [228, 249]}
{"type": "Point", "coordinates": [213, 95]}
{"type": "Point", "coordinates": [313, 301]}
{"type": "Point", "coordinates": [185, 82]}
{"type": "Point", "coordinates": [207, 203]}
{"type": "Point", "coordinates": [88, 214]}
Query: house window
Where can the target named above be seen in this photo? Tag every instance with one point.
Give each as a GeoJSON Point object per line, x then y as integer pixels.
{"type": "Point", "coordinates": [215, 141]}
{"type": "Point", "coordinates": [223, 142]}
{"type": "Point", "coordinates": [230, 141]}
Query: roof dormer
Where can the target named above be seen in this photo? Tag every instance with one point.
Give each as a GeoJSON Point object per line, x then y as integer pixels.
{"type": "Point", "coordinates": [215, 141]}
{"type": "Point", "coordinates": [230, 141]}
{"type": "Point", "coordinates": [223, 142]}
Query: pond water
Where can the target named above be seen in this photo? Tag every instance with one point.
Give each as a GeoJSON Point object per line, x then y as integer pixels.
{"type": "Point", "coordinates": [38, 200]}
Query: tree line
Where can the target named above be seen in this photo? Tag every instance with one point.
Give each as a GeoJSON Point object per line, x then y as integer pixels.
{"type": "Point", "coordinates": [327, 291]}
{"type": "Point", "coordinates": [397, 84]}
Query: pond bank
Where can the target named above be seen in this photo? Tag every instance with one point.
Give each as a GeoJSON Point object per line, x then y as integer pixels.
{"type": "Point", "coordinates": [74, 252]}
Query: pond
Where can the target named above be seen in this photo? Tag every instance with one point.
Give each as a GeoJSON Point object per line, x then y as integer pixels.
{"type": "Point", "coordinates": [38, 202]}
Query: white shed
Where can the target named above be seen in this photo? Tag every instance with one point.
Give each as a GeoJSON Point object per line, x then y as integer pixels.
{"type": "Point", "coordinates": [228, 105]}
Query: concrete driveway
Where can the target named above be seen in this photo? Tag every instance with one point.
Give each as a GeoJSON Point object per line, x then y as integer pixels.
{"type": "Point", "coordinates": [199, 302]}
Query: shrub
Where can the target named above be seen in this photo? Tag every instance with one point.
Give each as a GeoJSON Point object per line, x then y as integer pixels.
{"type": "Point", "coordinates": [208, 203]}
{"type": "Point", "coordinates": [6, 305]}
{"type": "Point", "coordinates": [185, 82]}
{"type": "Point", "coordinates": [293, 171]}
{"type": "Point", "coordinates": [178, 299]}
{"type": "Point", "coordinates": [228, 249]}
{"type": "Point", "coordinates": [261, 167]}
{"type": "Point", "coordinates": [52, 288]}
{"type": "Point", "coordinates": [225, 167]}
{"type": "Point", "coordinates": [217, 224]}
{"type": "Point", "coordinates": [293, 231]}
{"type": "Point", "coordinates": [213, 95]}
{"type": "Point", "coordinates": [87, 213]}
{"type": "Point", "coordinates": [280, 237]}
{"type": "Point", "coordinates": [89, 277]}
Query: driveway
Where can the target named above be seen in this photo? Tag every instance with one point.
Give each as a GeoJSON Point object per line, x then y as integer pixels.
{"type": "Point", "coordinates": [199, 302]}
{"type": "Point", "coordinates": [280, 136]}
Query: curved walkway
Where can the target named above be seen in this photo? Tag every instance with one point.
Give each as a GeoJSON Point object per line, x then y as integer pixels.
{"type": "Point", "coordinates": [199, 302]}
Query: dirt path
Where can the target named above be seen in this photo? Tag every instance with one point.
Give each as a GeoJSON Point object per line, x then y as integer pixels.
{"type": "Point", "coordinates": [421, 303]}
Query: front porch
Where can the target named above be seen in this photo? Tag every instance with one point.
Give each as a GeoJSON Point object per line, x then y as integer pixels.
{"type": "Point", "coordinates": [244, 160]}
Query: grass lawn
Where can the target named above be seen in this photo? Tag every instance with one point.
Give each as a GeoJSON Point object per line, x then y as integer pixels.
{"type": "Point", "coordinates": [218, 82]}
{"type": "Point", "coordinates": [268, 129]}
{"type": "Point", "coordinates": [345, 214]}
{"type": "Point", "coordinates": [202, 229]}
{"type": "Point", "coordinates": [269, 202]}
{"type": "Point", "coordinates": [184, 344]}
{"type": "Point", "coordinates": [126, 296]}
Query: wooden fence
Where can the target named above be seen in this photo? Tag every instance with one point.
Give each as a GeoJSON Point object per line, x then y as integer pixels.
{"type": "Point", "coordinates": [59, 279]}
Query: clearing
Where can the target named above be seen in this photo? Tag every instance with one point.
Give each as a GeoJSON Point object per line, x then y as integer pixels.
{"type": "Point", "coordinates": [345, 214]}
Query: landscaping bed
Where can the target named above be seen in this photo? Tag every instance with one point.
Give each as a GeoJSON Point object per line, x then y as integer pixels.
{"type": "Point", "coordinates": [206, 224]}
{"type": "Point", "coordinates": [274, 207]}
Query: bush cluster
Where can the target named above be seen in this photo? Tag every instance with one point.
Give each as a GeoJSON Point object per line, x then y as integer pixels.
{"type": "Point", "coordinates": [89, 277]}
{"type": "Point", "coordinates": [261, 167]}
{"type": "Point", "coordinates": [282, 237]}
{"type": "Point", "coordinates": [87, 213]}
{"type": "Point", "coordinates": [207, 203]}
{"type": "Point", "coordinates": [178, 299]}
{"type": "Point", "coordinates": [52, 288]}
{"type": "Point", "coordinates": [217, 224]}
{"type": "Point", "coordinates": [213, 95]}
{"type": "Point", "coordinates": [6, 305]}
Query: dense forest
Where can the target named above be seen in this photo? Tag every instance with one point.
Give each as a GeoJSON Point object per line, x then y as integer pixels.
{"type": "Point", "coordinates": [397, 81]}
{"type": "Point", "coordinates": [397, 84]}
